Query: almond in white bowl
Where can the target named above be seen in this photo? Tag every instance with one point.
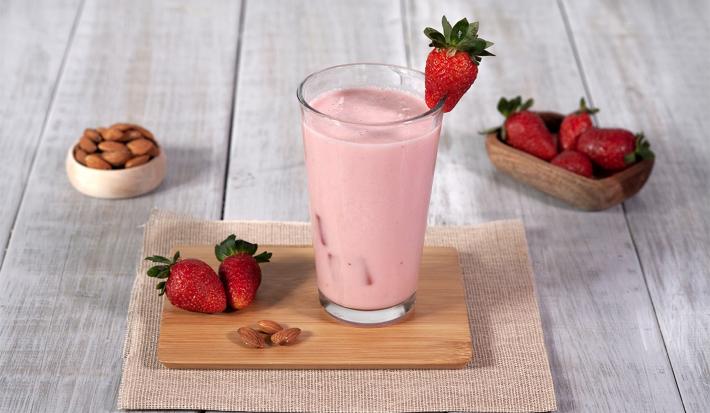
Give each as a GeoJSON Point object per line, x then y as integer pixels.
{"type": "Point", "coordinates": [120, 161]}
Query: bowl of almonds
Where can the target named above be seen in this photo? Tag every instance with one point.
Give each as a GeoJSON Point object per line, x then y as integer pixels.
{"type": "Point", "coordinates": [120, 161]}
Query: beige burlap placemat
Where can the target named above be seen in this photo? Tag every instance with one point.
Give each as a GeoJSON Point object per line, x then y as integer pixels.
{"type": "Point", "coordinates": [509, 371]}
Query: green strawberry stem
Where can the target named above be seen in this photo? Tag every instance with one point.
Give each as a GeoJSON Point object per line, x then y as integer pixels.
{"type": "Point", "coordinates": [584, 109]}
{"type": "Point", "coordinates": [642, 151]}
{"type": "Point", "coordinates": [506, 108]}
{"type": "Point", "coordinates": [463, 37]}
{"type": "Point", "coordinates": [233, 246]}
{"type": "Point", "coordinates": [162, 270]}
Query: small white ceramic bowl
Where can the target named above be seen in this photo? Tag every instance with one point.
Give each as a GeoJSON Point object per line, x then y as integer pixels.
{"type": "Point", "coordinates": [116, 183]}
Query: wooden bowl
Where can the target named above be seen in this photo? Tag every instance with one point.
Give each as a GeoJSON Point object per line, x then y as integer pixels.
{"type": "Point", "coordinates": [116, 183]}
{"type": "Point", "coordinates": [576, 190]}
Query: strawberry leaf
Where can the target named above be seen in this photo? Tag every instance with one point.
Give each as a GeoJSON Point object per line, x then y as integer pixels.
{"type": "Point", "coordinates": [462, 37]}
{"type": "Point", "coordinates": [527, 105]}
{"type": "Point", "coordinates": [160, 287]}
{"type": "Point", "coordinates": [508, 107]}
{"type": "Point", "coordinates": [467, 43]}
{"type": "Point", "coordinates": [479, 44]}
{"type": "Point", "coordinates": [495, 129]}
{"type": "Point", "coordinates": [246, 247]}
{"type": "Point", "coordinates": [515, 103]}
{"type": "Point", "coordinates": [472, 30]}
{"type": "Point", "coordinates": [503, 107]}
{"type": "Point", "coordinates": [233, 246]}
{"type": "Point", "coordinates": [643, 148]}
{"type": "Point", "coordinates": [630, 158]}
{"type": "Point", "coordinates": [263, 257]}
{"type": "Point", "coordinates": [459, 31]}
{"type": "Point", "coordinates": [447, 28]}
{"type": "Point", "coordinates": [158, 259]}
{"type": "Point", "coordinates": [226, 248]}
{"type": "Point", "coordinates": [584, 109]}
{"type": "Point", "coordinates": [157, 270]}
{"type": "Point", "coordinates": [437, 39]}
{"type": "Point", "coordinates": [162, 270]}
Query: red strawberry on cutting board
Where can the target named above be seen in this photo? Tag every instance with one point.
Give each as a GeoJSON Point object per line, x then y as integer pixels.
{"type": "Point", "coordinates": [239, 270]}
{"type": "Point", "coordinates": [189, 284]}
{"type": "Point", "coordinates": [614, 149]}
{"type": "Point", "coordinates": [525, 130]}
{"type": "Point", "coordinates": [575, 124]}
{"type": "Point", "coordinates": [452, 67]}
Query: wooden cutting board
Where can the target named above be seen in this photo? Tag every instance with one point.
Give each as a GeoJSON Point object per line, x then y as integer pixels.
{"type": "Point", "coordinates": [436, 335]}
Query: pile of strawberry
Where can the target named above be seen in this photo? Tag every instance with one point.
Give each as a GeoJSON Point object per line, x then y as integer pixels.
{"type": "Point", "coordinates": [578, 146]}
{"type": "Point", "coordinates": [193, 285]}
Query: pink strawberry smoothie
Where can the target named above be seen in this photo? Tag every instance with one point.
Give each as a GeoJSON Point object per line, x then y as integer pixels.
{"type": "Point", "coordinates": [369, 191]}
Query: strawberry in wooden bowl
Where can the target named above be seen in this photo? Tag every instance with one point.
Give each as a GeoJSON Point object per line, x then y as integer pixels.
{"type": "Point", "coordinates": [567, 157]}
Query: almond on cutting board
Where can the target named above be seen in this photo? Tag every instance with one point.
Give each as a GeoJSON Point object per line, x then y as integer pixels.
{"type": "Point", "coordinates": [268, 326]}
{"type": "Point", "coordinates": [250, 337]}
{"type": "Point", "coordinates": [287, 336]}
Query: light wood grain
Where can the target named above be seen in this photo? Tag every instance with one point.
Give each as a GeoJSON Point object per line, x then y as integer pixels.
{"type": "Point", "coordinates": [651, 73]}
{"type": "Point", "coordinates": [66, 280]}
{"type": "Point", "coordinates": [436, 335]}
{"type": "Point", "coordinates": [592, 194]}
{"type": "Point", "coordinates": [267, 172]}
{"type": "Point", "coordinates": [33, 39]}
{"type": "Point", "coordinates": [601, 334]}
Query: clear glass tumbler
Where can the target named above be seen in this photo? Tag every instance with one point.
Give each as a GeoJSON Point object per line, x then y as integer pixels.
{"type": "Point", "coordinates": [370, 146]}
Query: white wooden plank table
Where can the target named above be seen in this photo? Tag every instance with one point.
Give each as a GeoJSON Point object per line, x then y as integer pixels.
{"type": "Point", "coordinates": [624, 293]}
{"type": "Point", "coordinates": [34, 37]}
{"type": "Point", "coordinates": [666, 95]}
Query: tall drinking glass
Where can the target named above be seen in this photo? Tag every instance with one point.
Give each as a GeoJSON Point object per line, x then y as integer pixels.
{"type": "Point", "coordinates": [370, 145]}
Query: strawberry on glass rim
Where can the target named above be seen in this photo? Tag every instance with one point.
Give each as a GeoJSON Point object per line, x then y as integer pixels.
{"type": "Point", "coordinates": [452, 67]}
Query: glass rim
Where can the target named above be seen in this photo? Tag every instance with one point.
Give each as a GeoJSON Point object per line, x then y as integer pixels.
{"type": "Point", "coordinates": [430, 112]}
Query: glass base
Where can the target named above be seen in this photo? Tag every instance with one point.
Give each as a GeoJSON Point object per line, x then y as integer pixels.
{"type": "Point", "coordinates": [368, 318]}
